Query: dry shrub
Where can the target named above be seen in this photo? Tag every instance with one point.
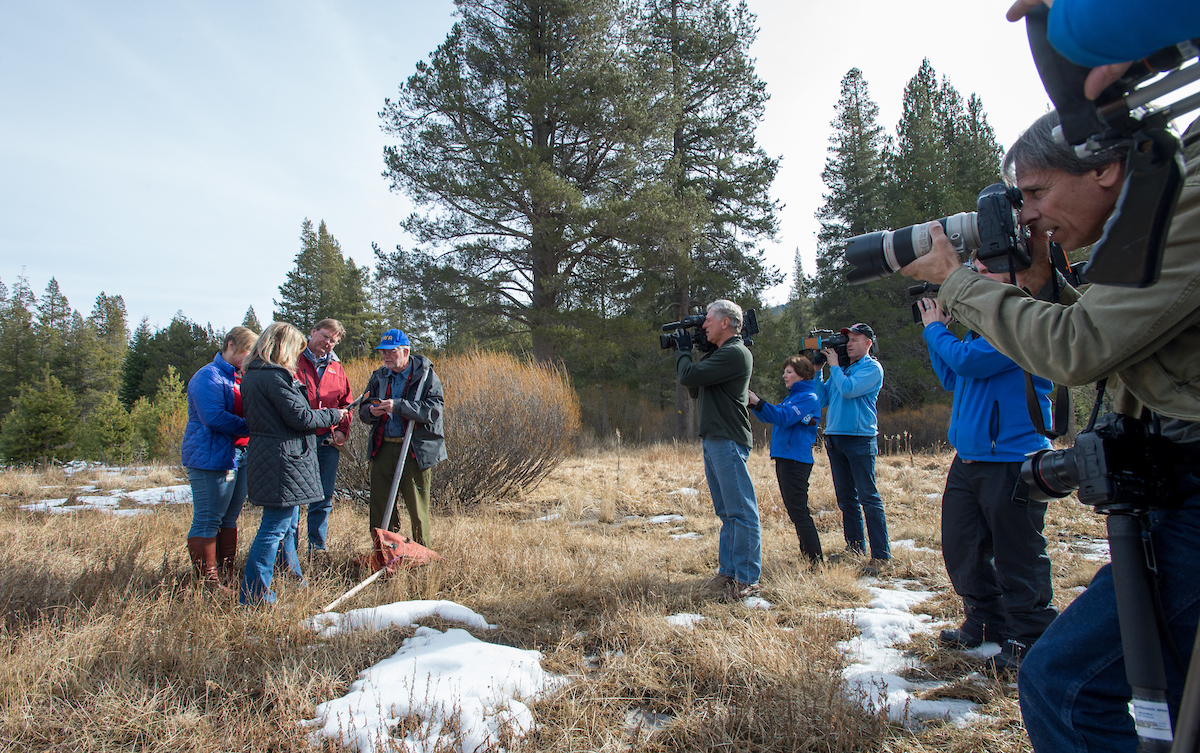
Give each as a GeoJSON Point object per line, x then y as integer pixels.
{"type": "Point", "coordinates": [508, 423]}
{"type": "Point", "coordinates": [915, 429]}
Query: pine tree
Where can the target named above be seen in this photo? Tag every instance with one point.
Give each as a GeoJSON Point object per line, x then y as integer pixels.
{"type": "Point", "coordinates": [718, 177]}
{"type": "Point", "coordinates": [325, 285]}
{"type": "Point", "coordinates": [109, 327]}
{"type": "Point", "coordinates": [20, 359]}
{"type": "Point", "coordinates": [515, 142]}
{"type": "Point", "coordinates": [53, 329]}
{"type": "Point", "coordinates": [137, 361]}
{"type": "Point", "coordinates": [251, 322]}
{"type": "Point", "coordinates": [42, 423]}
{"type": "Point", "coordinates": [853, 175]}
{"type": "Point", "coordinates": [107, 432]}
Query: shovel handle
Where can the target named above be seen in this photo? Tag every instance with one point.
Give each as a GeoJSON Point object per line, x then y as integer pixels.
{"type": "Point", "coordinates": [370, 579]}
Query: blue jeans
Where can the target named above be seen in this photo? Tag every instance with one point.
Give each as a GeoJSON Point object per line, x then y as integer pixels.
{"type": "Point", "coordinates": [217, 497]}
{"type": "Point", "coordinates": [277, 523]}
{"type": "Point", "coordinates": [318, 512]}
{"type": "Point", "coordinates": [739, 553]}
{"type": "Point", "coordinates": [852, 463]}
{"type": "Point", "coordinates": [1072, 686]}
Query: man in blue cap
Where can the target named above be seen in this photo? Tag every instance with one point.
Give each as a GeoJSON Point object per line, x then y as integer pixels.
{"type": "Point", "coordinates": [407, 390]}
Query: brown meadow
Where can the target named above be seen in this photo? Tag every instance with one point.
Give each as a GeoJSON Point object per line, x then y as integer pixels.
{"type": "Point", "coordinates": [109, 646]}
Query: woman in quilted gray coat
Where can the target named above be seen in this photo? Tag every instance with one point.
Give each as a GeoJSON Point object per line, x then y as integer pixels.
{"type": "Point", "coordinates": [281, 460]}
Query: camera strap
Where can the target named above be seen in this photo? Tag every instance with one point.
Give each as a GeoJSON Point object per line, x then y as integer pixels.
{"type": "Point", "coordinates": [1060, 410]}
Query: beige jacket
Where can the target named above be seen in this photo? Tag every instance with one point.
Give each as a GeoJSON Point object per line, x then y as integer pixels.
{"type": "Point", "coordinates": [1149, 338]}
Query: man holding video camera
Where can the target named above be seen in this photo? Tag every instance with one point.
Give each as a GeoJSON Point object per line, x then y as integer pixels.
{"type": "Point", "coordinates": [720, 383]}
{"type": "Point", "coordinates": [850, 394]}
{"type": "Point", "coordinates": [1073, 688]}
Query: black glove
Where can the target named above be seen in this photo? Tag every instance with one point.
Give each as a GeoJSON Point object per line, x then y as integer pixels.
{"type": "Point", "coordinates": [683, 340]}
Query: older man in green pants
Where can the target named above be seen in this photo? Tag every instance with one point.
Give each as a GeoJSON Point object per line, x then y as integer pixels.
{"type": "Point", "coordinates": [405, 390]}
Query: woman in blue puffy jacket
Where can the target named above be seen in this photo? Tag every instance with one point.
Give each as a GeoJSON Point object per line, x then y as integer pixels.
{"type": "Point", "coordinates": [795, 421]}
{"type": "Point", "coordinates": [211, 460]}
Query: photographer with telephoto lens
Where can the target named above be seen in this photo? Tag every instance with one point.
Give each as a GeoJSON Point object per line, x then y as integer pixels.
{"type": "Point", "coordinates": [1073, 688]}
{"type": "Point", "coordinates": [850, 394]}
{"type": "Point", "coordinates": [720, 384]}
{"type": "Point", "coordinates": [992, 539]}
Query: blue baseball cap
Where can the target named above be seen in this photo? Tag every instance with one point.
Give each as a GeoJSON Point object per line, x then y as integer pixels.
{"type": "Point", "coordinates": [392, 339]}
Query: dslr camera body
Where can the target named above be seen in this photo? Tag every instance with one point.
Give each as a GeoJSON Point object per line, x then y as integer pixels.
{"type": "Point", "coordinates": [819, 339]}
{"type": "Point", "coordinates": [1117, 464]}
{"type": "Point", "coordinates": [991, 231]}
{"type": "Point", "coordinates": [692, 324]}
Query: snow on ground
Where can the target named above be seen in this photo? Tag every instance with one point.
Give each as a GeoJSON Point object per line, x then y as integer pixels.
{"type": "Point", "coordinates": [688, 535]}
{"type": "Point", "coordinates": [440, 689]}
{"type": "Point", "coordinates": [665, 519]}
{"type": "Point", "coordinates": [685, 619]}
{"type": "Point", "coordinates": [110, 503]}
{"type": "Point", "coordinates": [399, 614]}
{"type": "Point", "coordinates": [876, 667]}
{"type": "Point", "coordinates": [686, 491]}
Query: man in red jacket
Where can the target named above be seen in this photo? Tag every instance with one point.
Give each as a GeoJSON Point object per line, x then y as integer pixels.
{"type": "Point", "coordinates": [326, 386]}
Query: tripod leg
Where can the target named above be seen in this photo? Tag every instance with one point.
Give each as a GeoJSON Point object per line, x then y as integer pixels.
{"type": "Point", "coordinates": [1139, 632]}
{"type": "Point", "coordinates": [1187, 736]}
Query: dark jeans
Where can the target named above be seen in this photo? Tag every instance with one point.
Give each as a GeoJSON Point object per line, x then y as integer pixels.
{"type": "Point", "coordinates": [792, 476]}
{"type": "Point", "coordinates": [995, 552]}
{"type": "Point", "coordinates": [852, 463]}
{"type": "Point", "coordinates": [1072, 686]}
{"type": "Point", "coordinates": [318, 512]}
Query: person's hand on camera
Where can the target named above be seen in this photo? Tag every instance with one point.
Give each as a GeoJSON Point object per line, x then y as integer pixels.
{"type": "Point", "coordinates": [683, 340]}
{"type": "Point", "coordinates": [931, 311]}
{"type": "Point", "coordinates": [831, 356]}
{"type": "Point", "coordinates": [936, 265]}
{"type": "Point", "coordinates": [1099, 78]}
{"type": "Point", "coordinates": [382, 408]}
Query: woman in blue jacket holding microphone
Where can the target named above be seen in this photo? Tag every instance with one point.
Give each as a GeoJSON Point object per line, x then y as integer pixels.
{"type": "Point", "coordinates": [795, 421]}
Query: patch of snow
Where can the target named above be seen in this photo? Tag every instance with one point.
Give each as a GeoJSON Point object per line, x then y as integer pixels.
{"type": "Point", "coordinates": [688, 535]}
{"type": "Point", "coordinates": [912, 544]}
{"type": "Point", "coordinates": [932, 497]}
{"type": "Point", "coordinates": [757, 602]}
{"type": "Point", "coordinates": [44, 505]}
{"type": "Point", "coordinates": [648, 720]}
{"type": "Point", "coordinates": [686, 491]}
{"type": "Point", "coordinates": [876, 667]}
{"type": "Point", "coordinates": [685, 619]}
{"type": "Point", "coordinates": [547, 518]}
{"type": "Point", "coordinates": [665, 519]}
{"type": "Point", "coordinates": [398, 614]}
{"type": "Point", "coordinates": [166, 495]}
{"type": "Point", "coordinates": [436, 677]}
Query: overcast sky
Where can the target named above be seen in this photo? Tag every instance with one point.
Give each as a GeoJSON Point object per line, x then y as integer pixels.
{"type": "Point", "coordinates": [168, 152]}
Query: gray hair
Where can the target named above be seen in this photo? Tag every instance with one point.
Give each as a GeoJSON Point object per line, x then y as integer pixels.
{"type": "Point", "coordinates": [1037, 149]}
{"type": "Point", "coordinates": [727, 310]}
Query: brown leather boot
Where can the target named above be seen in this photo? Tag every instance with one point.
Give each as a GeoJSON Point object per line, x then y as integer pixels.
{"type": "Point", "coordinates": [203, 553]}
{"type": "Point", "coordinates": [227, 554]}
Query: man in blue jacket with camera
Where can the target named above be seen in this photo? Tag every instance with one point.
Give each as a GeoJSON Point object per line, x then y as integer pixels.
{"type": "Point", "coordinates": [991, 531]}
{"type": "Point", "coordinates": [850, 394]}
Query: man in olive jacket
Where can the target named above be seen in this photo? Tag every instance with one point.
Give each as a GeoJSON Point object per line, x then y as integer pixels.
{"type": "Point", "coordinates": [1146, 341]}
{"type": "Point", "coordinates": [720, 382]}
{"type": "Point", "coordinates": [395, 388]}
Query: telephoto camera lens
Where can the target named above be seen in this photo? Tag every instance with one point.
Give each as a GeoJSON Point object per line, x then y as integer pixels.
{"type": "Point", "coordinates": [1050, 474]}
{"type": "Point", "coordinates": [882, 253]}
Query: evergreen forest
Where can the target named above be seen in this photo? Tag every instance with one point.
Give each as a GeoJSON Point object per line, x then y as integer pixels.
{"type": "Point", "coordinates": [582, 172]}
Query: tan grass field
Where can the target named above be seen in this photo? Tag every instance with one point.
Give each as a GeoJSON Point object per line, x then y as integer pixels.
{"type": "Point", "coordinates": [107, 644]}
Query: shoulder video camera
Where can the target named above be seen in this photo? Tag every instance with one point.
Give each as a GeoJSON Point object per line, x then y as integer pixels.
{"type": "Point", "coordinates": [692, 324]}
{"type": "Point", "coordinates": [819, 339]}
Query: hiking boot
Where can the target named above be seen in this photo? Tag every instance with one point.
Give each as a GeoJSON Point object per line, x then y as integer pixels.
{"type": "Point", "coordinates": [1009, 658]}
{"type": "Point", "coordinates": [737, 591]}
{"type": "Point", "coordinates": [202, 551]}
{"type": "Point", "coordinates": [960, 638]}
{"type": "Point", "coordinates": [875, 567]}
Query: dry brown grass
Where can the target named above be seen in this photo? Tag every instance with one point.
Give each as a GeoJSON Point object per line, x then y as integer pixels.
{"type": "Point", "coordinates": [107, 645]}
